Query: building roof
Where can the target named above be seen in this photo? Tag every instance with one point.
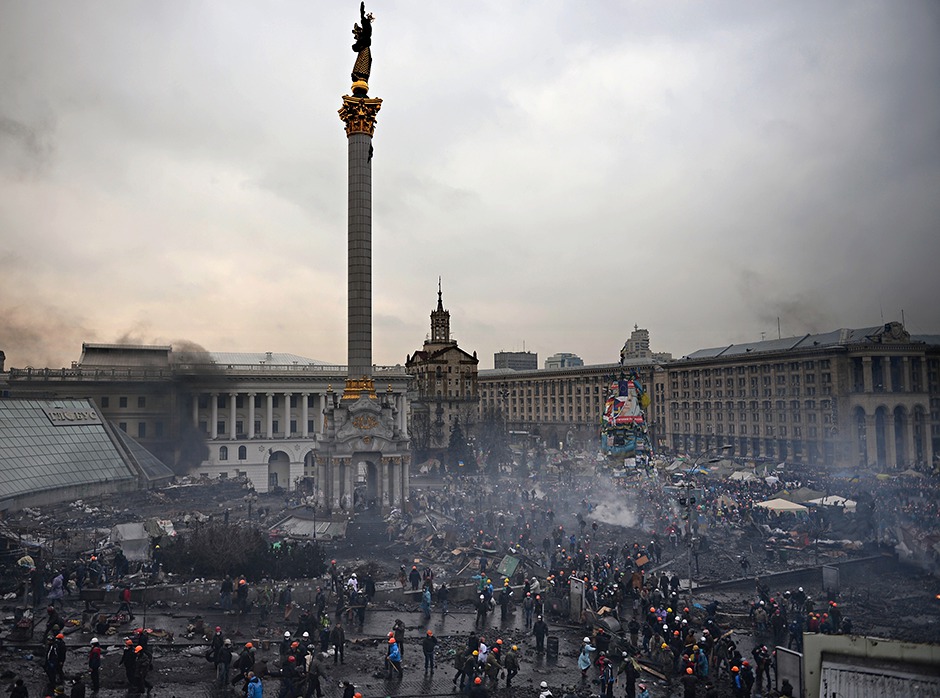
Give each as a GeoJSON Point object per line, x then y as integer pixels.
{"type": "Point", "coordinates": [267, 358]}
{"type": "Point", "coordinates": [152, 467]}
{"type": "Point", "coordinates": [62, 444]}
{"type": "Point", "coordinates": [129, 355]}
{"type": "Point", "coordinates": [833, 338]}
{"type": "Point", "coordinates": [613, 368]}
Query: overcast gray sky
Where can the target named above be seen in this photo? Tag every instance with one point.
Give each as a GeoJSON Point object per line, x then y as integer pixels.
{"type": "Point", "coordinates": [176, 171]}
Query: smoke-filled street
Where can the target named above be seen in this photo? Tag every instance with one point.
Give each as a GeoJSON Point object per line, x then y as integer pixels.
{"type": "Point", "coordinates": [756, 582]}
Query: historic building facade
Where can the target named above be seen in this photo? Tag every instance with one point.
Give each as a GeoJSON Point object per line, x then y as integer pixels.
{"type": "Point", "coordinates": [561, 405]}
{"type": "Point", "coordinates": [444, 386]}
{"type": "Point", "coordinates": [850, 397]}
{"type": "Point", "coordinates": [260, 415]}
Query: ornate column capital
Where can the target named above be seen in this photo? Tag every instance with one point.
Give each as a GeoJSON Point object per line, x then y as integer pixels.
{"type": "Point", "coordinates": [359, 114]}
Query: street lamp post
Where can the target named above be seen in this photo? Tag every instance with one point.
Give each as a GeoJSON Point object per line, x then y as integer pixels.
{"type": "Point", "coordinates": [689, 500]}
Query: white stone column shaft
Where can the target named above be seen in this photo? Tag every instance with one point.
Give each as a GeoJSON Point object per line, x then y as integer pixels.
{"type": "Point", "coordinates": [304, 414]}
{"type": "Point", "coordinates": [269, 416]}
{"type": "Point", "coordinates": [286, 415]}
{"type": "Point", "coordinates": [231, 415]}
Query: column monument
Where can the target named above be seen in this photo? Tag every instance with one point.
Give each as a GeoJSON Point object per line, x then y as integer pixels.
{"type": "Point", "coordinates": [361, 428]}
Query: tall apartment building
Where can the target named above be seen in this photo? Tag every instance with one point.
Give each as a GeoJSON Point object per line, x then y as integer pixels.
{"type": "Point", "coordinates": [563, 359]}
{"type": "Point", "coordinates": [516, 360]}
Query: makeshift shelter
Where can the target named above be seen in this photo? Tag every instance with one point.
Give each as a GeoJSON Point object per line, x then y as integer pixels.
{"type": "Point", "coordinates": [133, 539]}
{"type": "Point", "coordinates": [835, 500]}
{"type": "Point", "coordinates": [743, 476]}
{"type": "Point", "coordinates": [803, 494]}
{"type": "Point", "coordinates": [782, 506]}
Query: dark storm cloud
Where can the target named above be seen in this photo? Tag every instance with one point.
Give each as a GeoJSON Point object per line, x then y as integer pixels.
{"type": "Point", "coordinates": [569, 169]}
{"type": "Point", "coordinates": [28, 148]}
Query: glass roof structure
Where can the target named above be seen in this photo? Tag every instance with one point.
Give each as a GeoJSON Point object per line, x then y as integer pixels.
{"type": "Point", "coordinates": [60, 444]}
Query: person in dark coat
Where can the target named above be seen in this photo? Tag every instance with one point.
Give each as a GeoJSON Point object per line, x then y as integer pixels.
{"type": "Point", "coordinates": [338, 640]}
{"type": "Point", "coordinates": [127, 661]}
{"type": "Point", "coordinates": [540, 630]}
{"type": "Point", "coordinates": [78, 688]}
{"type": "Point", "coordinates": [18, 690]}
{"type": "Point", "coordinates": [245, 663]}
{"type": "Point", "coordinates": [428, 645]}
{"type": "Point", "coordinates": [60, 649]}
{"type": "Point", "coordinates": [142, 666]}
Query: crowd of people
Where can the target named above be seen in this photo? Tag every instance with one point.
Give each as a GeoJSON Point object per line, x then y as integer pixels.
{"type": "Point", "coordinates": [625, 556]}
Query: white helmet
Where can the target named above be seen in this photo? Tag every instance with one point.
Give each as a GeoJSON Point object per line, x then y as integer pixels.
{"type": "Point", "coordinates": [543, 685]}
{"type": "Point", "coordinates": [94, 640]}
{"type": "Point", "coordinates": [800, 589]}
{"type": "Point", "coordinates": [306, 635]}
{"type": "Point", "coordinates": [287, 633]}
{"type": "Point", "coordinates": [586, 639]}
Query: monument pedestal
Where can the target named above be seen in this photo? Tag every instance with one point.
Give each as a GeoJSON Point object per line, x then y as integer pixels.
{"type": "Point", "coordinates": [363, 447]}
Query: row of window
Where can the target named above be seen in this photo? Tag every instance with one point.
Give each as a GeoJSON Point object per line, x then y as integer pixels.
{"type": "Point", "coordinates": [242, 453]}
{"type": "Point", "coordinates": [105, 402]}
{"type": "Point", "coordinates": [142, 429]}
{"type": "Point", "coordinates": [222, 426]}
{"type": "Point", "coordinates": [773, 432]}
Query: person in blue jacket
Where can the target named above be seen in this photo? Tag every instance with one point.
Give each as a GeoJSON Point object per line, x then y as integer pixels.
{"type": "Point", "coordinates": [254, 686]}
{"type": "Point", "coordinates": [394, 658]}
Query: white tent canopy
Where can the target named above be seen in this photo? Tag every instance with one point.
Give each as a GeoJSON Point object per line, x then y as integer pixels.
{"type": "Point", "coordinates": [743, 476]}
{"type": "Point", "coordinates": [781, 505]}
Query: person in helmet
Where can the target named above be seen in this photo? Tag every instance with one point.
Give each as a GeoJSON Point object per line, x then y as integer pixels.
{"type": "Point", "coordinates": [540, 630]}
{"type": "Point", "coordinates": [584, 658]}
{"type": "Point", "coordinates": [94, 664]}
{"type": "Point", "coordinates": [511, 664]}
{"type": "Point", "coordinates": [394, 658]}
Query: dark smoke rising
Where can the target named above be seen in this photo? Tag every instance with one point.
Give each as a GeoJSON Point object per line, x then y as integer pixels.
{"type": "Point", "coordinates": [190, 360]}
{"type": "Point", "coordinates": [40, 335]}
{"type": "Point", "coordinates": [798, 311]}
{"type": "Point", "coordinates": [28, 148]}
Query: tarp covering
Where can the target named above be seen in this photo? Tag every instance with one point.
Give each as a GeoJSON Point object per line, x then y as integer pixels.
{"type": "Point", "coordinates": [803, 494]}
{"type": "Point", "coordinates": [133, 539]}
{"type": "Point", "coordinates": [743, 476]}
{"type": "Point", "coordinates": [781, 505]}
{"type": "Point", "coordinates": [834, 501]}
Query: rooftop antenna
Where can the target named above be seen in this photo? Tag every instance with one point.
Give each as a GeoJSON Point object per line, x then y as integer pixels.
{"type": "Point", "coordinates": [778, 327]}
{"type": "Point", "coordinates": [902, 316]}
